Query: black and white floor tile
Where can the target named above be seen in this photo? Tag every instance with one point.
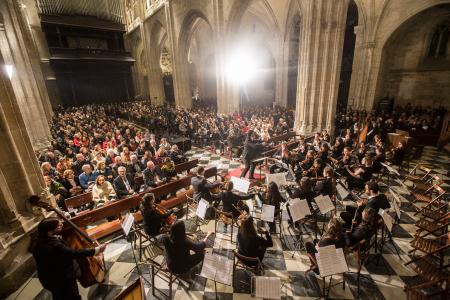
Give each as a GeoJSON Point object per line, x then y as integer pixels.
{"type": "Point", "coordinates": [384, 278]}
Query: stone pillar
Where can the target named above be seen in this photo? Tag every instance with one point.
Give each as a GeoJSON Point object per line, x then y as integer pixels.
{"type": "Point", "coordinates": [17, 50]}
{"type": "Point", "coordinates": [180, 75]}
{"type": "Point", "coordinates": [320, 54]}
{"type": "Point", "coordinates": [227, 91]}
{"type": "Point", "coordinates": [20, 177]}
{"type": "Point", "coordinates": [280, 84]}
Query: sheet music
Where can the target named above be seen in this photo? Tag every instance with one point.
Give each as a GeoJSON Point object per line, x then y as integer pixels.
{"type": "Point", "coordinates": [342, 192]}
{"type": "Point", "coordinates": [127, 223]}
{"type": "Point", "coordinates": [218, 268]}
{"type": "Point", "coordinates": [240, 184]}
{"type": "Point", "coordinates": [390, 169]}
{"type": "Point", "coordinates": [284, 214]}
{"type": "Point", "coordinates": [387, 219]}
{"type": "Point", "coordinates": [299, 209]}
{"type": "Point", "coordinates": [267, 213]}
{"type": "Point", "coordinates": [395, 201]}
{"type": "Point", "coordinates": [278, 178]}
{"type": "Point", "coordinates": [267, 287]}
{"type": "Point", "coordinates": [331, 261]}
{"type": "Point", "coordinates": [324, 203]}
{"type": "Point", "coordinates": [201, 208]}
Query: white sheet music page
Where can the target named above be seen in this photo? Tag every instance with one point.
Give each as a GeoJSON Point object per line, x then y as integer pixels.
{"type": "Point", "coordinates": [201, 208]}
{"type": "Point", "coordinates": [127, 223]}
{"type": "Point", "coordinates": [299, 209]}
{"type": "Point", "coordinates": [224, 269]}
{"type": "Point", "coordinates": [324, 203]}
{"type": "Point", "coordinates": [331, 261]}
{"type": "Point", "coordinates": [268, 287]}
{"type": "Point", "coordinates": [342, 192]}
{"type": "Point", "coordinates": [278, 178]}
{"type": "Point", "coordinates": [240, 184]}
{"type": "Point", "coordinates": [268, 213]}
{"type": "Point", "coordinates": [209, 268]}
{"type": "Point", "coordinates": [387, 219]}
{"type": "Point", "coordinates": [390, 169]}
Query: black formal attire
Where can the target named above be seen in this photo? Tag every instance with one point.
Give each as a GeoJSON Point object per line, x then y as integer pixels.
{"type": "Point", "coordinates": [362, 231]}
{"type": "Point", "coordinates": [120, 186]}
{"type": "Point", "coordinates": [153, 220]}
{"type": "Point", "coordinates": [150, 176]}
{"type": "Point", "coordinates": [230, 201]}
{"type": "Point", "coordinates": [255, 246]}
{"type": "Point", "coordinates": [178, 257]}
{"type": "Point", "coordinates": [57, 267]}
{"type": "Point", "coordinates": [325, 187]}
{"type": "Point", "coordinates": [251, 150]}
{"type": "Point", "coordinates": [376, 202]}
{"type": "Point", "coordinates": [202, 188]}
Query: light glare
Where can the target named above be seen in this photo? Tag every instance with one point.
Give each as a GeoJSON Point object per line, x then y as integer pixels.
{"type": "Point", "coordinates": [241, 66]}
{"type": "Point", "coordinates": [9, 71]}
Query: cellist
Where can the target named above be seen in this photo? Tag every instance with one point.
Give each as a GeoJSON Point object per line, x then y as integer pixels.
{"type": "Point", "coordinates": [154, 219]}
{"type": "Point", "coordinates": [56, 262]}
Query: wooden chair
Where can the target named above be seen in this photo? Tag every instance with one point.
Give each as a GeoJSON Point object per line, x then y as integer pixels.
{"type": "Point", "coordinates": [134, 291]}
{"type": "Point", "coordinates": [227, 219]}
{"type": "Point", "coordinates": [428, 197]}
{"type": "Point", "coordinates": [162, 271]}
{"type": "Point", "coordinates": [78, 201]}
{"type": "Point", "coordinates": [414, 177]}
{"type": "Point", "coordinates": [421, 187]}
{"type": "Point", "coordinates": [433, 227]}
{"type": "Point", "coordinates": [252, 264]}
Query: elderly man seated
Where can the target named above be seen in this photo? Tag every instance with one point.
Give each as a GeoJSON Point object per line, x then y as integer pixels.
{"type": "Point", "coordinates": [87, 177]}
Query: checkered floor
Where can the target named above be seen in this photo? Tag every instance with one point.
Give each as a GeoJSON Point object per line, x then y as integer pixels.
{"type": "Point", "coordinates": [384, 278]}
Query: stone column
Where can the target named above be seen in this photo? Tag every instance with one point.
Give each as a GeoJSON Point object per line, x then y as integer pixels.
{"type": "Point", "coordinates": [320, 54]}
{"type": "Point", "coordinates": [227, 91]}
{"type": "Point", "coordinates": [17, 50]}
{"type": "Point", "coordinates": [180, 75]}
{"type": "Point", "coordinates": [20, 177]}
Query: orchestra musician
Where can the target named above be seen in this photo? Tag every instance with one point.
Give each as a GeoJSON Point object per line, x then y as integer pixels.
{"type": "Point", "coordinates": [303, 191]}
{"type": "Point", "coordinates": [316, 169]}
{"type": "Point", "coordinates": [307, 163]}
{"type": "Point", "coordinates": [284, 157]}
{"type": "Point", "coordinates": [249, 242]}
{"type": "Point", "coordinates": [300, 151]}
{"type": "Point", "coordinates": [363, 230]}
{"type": "Point", "coordinates": [360, 175]}
{"type": "Point", "coordinates": [327, 186]}
{"type": "Point", "coordinates": [201, 186]}
{"type": "Point", "coordinates": [56, 263]}
{"type": "Point", "coordinates": [341, 165]}
{"type": "Point", "coordinates": [155, 220]}
{"type": "Point", "coordinates": [232, 202]}
{"type": "Point", "coordinates": [333, 235]}
{"type": "Point", "coordinates": [337, 148]}
{"type": "Point", "coordinates": [375, 201]}
{"type": "Point", "coordinates": [379, 158]}
{"type": "Point", "coordinates": [178, 246]}
{"type": "Point", "coordinates": [361, 152]}
{"type": "Point", "coordinates": [398, 154]}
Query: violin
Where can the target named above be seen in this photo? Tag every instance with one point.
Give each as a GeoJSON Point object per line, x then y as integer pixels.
{"type": "Point", "coordinates": [171, 219]}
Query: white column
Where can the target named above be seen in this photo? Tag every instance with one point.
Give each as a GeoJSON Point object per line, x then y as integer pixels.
{"type": "Point", "coordinates": [320, 54]}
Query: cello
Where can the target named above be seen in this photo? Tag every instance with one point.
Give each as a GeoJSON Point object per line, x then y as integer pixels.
{"type": "Point", "coordinates": [92, 268]}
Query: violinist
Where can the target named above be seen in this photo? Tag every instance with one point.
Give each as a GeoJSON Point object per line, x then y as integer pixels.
{"type": "Point", "coordinates": [56, 263]}
{"type": "Point", "coordinates": [360, 175]}
{"type": "Point", "coordinates": [327, 186]}
{"type": "Point", "coordinates": [301, 151]}
{"type": "Point", "coordinates": [363, 230]}
{"type": "Point", "coordinates": [337, 148]}
{"type": "Point", "coordinates": [202, 188]}
{"type": "Point", "coordinates": [398, 153]}
{"type": "Point", "coordinates": [284, 158]}
{"type": "Point", "coordinates": [232, 203]}
{"type": "Point", "coordinates": [361, 152]}
{"type": "Point", "coordinates": [346, 160]}
{"type": "Point", "coordinates": [154, 218]}
{"type": "Point", "coordinates": [316, 169]}
{"type": "Point", "coordinates": [378, 142]}
{"type": "Point", "coordinates": [375, 201]}
{"type": "Point", "coordinates": [308, 162]}
{"type": "Point", "coordinates": [324, 152]}
{"type": "Point", "coordinates": [303, 191]}
{"type": "Point", "coordinates": [380, 157]}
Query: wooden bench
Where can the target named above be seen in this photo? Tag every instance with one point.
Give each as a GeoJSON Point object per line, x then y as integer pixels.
{"type": "Point", "coordinates": [116, 208]}
{"type": "Point", "coordinates": [186, 166]}
{"type": "Point", "coordinates": [78, 201]}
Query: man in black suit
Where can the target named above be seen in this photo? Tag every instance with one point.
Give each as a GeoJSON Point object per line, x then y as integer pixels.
{"type": "Point", "coordinates": [123, 183]}
{"type": "Point", "coordinates": [326, 186]}
{"type": "Point", "coordinates": [56, 262]}
{"type": "Point", "coordinates": [375, 201]}
{"type": "Point", "coordinates": [364, 230]}
{"type": "Point", "coordinates": [201, 186]}
{"type": "Point", "coordinates": [152, 175]}
{"type": "Point", "coordinates": [251, 149]}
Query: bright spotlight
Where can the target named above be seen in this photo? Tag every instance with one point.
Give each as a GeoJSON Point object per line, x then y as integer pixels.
{"type": "Point", "coordinates": [241, 66]}
{"type": "Point", "coordinates": [9, 71]}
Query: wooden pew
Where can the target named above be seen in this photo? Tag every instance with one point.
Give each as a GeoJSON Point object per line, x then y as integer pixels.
{"type": "Point", "coordinates": [115, 208]}
{"type": "Point", "coordinates": [186, 166]}
{"type": "Point", "coordinates": [78, 200]}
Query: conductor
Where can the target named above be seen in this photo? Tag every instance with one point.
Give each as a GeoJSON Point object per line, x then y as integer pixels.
{"type": "Point", "coordinates": [251, 149]}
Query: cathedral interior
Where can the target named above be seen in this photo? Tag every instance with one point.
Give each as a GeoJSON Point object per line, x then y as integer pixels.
{"type": "Point", "coordinates": [185, 97]}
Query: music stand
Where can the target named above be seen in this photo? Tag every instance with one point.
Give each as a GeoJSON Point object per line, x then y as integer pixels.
{"type": "Point", "coordinates": [330, 261]}
{"type": "Point", "coordinates": [386, 233]}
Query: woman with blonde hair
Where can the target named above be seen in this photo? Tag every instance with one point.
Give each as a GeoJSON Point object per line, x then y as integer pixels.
{"type": "Point", "coordinates": [103, 190]}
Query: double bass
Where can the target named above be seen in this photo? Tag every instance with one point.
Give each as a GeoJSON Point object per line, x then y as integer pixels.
{"type": "Point", "coordinates": [92, 268]}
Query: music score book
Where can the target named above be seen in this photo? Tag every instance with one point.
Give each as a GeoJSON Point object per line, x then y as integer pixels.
{"type": "Point", "coordinates": [278, 178]}
{"type": "Point", "coordinates": [342, 191]}
{"type": "Point", "coordinates": [127, 223]}
{"type": "Point", "coordinates": [299, 209]}
{"type": "Point", "coordinates": [324, 203]}
{"type": "Point", "coordinates": [387, 219]}
{"type": "Point", "coordinates": [218, 268]}
{"type": "Point", "coordinates": [266, 287]}
{"type": "Point", "coordinates": [331, 261]}
{"type": "Point", "coordinates": [201, 208]}
{"type": "Point", "coordinates": [240, 184]}
{"type": "Point", "coordinates": [390, 169]}
{"type": "Point", "coordinates": [267, 213]}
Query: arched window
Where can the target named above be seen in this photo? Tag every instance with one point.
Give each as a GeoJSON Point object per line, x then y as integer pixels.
{"type": "Point", "coordinates": [439, 41]}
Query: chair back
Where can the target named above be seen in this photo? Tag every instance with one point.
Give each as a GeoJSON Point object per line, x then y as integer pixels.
{"type": "Point", "coordinates": [252, 263]}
